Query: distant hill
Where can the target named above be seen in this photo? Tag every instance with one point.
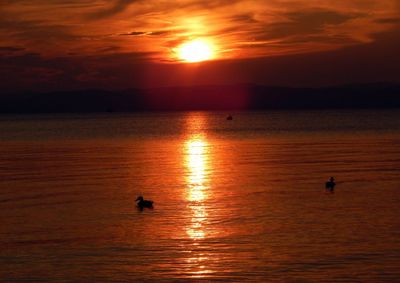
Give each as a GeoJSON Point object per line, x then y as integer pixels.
{"type": "Point", "coordinates": [227, 97]}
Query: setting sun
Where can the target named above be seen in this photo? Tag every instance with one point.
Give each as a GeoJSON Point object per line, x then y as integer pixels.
{"type": "Point", "coordinates": [196, 51]}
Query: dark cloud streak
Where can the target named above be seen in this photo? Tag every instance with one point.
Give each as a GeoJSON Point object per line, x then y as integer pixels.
{"type": "Point", "coordinates": [11, 49]}
{"type": "Point", "coordinates": [304, 23]}
{"type": "Point", "coordinates": [116, 7]}
{"type": "Point", "coordinates": [125, 43]}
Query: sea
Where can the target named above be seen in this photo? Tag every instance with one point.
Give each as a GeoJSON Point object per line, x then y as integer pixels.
{"type": "Point", "coordinates": [239, 200]}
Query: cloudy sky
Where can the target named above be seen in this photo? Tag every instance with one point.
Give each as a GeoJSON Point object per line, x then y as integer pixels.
{"type": "Point", "coordinates": [65, 44]}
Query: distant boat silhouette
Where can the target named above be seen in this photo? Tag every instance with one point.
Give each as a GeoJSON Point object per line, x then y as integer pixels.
{"type": "Point", "coordinates": [229, 117]}
{"type": "Point", "coordinates": [330, 185]}
{"type": "Point", "coordinates": [142, 203]}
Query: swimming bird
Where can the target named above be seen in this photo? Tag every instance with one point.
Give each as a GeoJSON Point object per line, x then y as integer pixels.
{"type": "Point", "coordinates": [330, 185]}
{"type": "Point", "coordinates": [142, 203]}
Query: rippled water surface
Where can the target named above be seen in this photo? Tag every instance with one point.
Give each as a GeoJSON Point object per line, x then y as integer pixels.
{"type": "Point", "coordinates": [236, 201]}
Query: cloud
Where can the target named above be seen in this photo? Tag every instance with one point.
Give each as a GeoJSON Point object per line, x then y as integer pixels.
{"type": "Point", "coordinates": [148, 33]}
{"type": "Point", "coordinates": [116, 7]}
{"type": "Point", "coordinates": [134, 33]}
{"type": "Point", "coordinates": [240, 28]}
{"type": "Point", "coordinates": [160, 32]}
{"type": "Point", "coordinates": [114, 48]}
{"type": "Point", "coordinates": [11, 49]}
{"type": "Point", "coordinates": [395, 21]}
{"type": "Point", "coordinates": [32, 71]}
{"type": "Point", "coordinates": [304, 23]}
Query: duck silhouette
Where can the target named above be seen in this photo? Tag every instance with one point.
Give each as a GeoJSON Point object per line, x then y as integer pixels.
{"type": "Point", "coordinates": [142, 203]}
{"type": "Point", "coordinates": [330, 185]}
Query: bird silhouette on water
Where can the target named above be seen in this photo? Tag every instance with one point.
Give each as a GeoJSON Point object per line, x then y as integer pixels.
{"type": "Point", "coordinates": [142, 203]}
{"type": "Point", "coordinates": [330, 185]}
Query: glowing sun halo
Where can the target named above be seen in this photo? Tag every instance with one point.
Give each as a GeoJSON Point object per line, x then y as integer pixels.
{"type": "Point", "coordinates": [195, 51]}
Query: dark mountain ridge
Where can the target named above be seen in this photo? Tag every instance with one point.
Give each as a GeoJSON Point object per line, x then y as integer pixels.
{"type": "Point", "coordinates": [219, 97]}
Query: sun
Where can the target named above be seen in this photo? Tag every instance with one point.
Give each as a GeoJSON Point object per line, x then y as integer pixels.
{"type": "Point", "coordinates": [196, 50]}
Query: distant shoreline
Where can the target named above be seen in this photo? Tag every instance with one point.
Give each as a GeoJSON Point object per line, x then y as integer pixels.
{"type": "Point", "coordinates": [213, 98]}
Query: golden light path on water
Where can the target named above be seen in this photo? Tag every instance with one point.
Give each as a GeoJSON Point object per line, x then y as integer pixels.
{"type": "Point", "coordinates": [197, 164]}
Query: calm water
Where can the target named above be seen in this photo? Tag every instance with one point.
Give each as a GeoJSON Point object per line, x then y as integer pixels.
{"type": "Point", "coordinates": [236, 201]}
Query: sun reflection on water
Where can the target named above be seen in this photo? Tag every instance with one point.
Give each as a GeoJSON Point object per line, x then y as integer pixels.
{"type": "Point", "coordinates": [197, 163]}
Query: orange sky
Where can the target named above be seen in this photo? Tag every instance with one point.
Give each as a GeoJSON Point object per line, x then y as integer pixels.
{"type": "Point", "coordinates": [151, 30]}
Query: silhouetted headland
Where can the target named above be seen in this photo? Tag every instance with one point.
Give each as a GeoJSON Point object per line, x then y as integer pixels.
{"type": "Point", "coordinates": [227, 97]}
